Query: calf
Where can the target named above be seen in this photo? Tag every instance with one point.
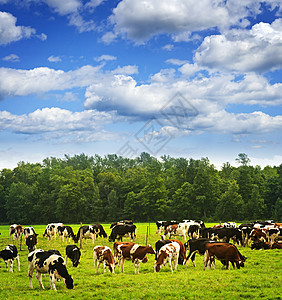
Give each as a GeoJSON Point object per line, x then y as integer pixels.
{"type": "Point", "coordinates": [168, 253]}
{"type": "Point", "coordinates": [8, 254]}
{"type": "Point", "coordinates": [46, 262]}
{"type": "Point", "coordinates": [66, 231]}
{"type": "Point", "coordinates": [119, 231]}
{"type": "Point", "coordinates": [73, 253]}
{"type": "Point", "coordinates": [224, 252]}
{"type": "Point", "coordinates": [103, 254]}
{"type": "Point", "coordinates": [16, 231]}
{"type": "Point", "coordinates": [31, 242]}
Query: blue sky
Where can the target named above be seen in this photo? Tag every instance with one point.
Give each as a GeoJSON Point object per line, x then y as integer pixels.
{"type": "Point", "coordinates": [184, 78]}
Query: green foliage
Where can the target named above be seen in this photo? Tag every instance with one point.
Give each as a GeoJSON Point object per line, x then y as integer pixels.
{"type": "Point", "coordinates": [86, 188]}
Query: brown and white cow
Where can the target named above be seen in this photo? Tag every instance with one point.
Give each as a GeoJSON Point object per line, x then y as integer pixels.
{"type": "Point", "coordinates": [176, 230]}
{"type": "Point", "coordinates": [169, 253]}
{"type": "Point", "coordinates": [16, 231]}
{"type": "Point", "coordinates": [133, 252]}
{"type": "Point", "coordinates": [104, 255]}
{"type": "Point", "coordinates": [224, 252]}
{"type": "Point", "coordinates": [257, 235]}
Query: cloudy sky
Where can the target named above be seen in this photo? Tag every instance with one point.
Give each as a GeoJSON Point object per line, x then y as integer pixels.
{"type": "Point", "coordinates": [185, 78]}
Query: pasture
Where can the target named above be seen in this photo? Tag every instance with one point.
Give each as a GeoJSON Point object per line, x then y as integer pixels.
{"type": "Point", "coordinates": [259, 279]}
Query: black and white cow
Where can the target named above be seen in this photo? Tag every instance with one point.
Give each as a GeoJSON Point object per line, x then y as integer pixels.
{"type": "Point", "coordinates": [119, 231]}
{"type": "Point", "coordinates": [88, 232]}
{"type": "Point", "coordinates": [128, 222]}
{"type": "Point", "coordinates": [31, 242]}
{"type": "Point", "coordinates": [52, 230]}
{"type": "Point", "coordinates": [46, 262]}
{"type": "Point", "coordinates": [8, 254]}
{"type": "Point", "coordinates": [66, 231]}
{"type": "Point", "coordinates": [28, 231]}
{"type": "Point", "coordinates": [73, 253]}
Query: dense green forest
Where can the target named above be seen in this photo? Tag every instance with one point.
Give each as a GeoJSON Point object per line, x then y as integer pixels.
{"type": "Point", "coordinates": [104, 189]}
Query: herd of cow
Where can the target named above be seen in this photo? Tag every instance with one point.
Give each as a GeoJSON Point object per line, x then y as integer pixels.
{"type": "Point", "coordinates": [212, 243]}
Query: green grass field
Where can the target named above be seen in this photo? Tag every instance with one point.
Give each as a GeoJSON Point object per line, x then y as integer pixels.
{"type": "Point", "coordinates": [261, 278]}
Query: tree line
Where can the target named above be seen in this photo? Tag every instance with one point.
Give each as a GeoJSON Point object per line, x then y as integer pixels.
{"type": "Point", "coordinates": [92, 189]}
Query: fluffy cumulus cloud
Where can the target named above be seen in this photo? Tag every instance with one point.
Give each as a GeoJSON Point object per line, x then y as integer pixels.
{"type": "Point", "coordinates": [258, 49]}
{"type": "Point", "coordinates": [10, 32]}
{"type": "Point", "coordinates": [140, 20]}
{"type": "Point", "coordinates": [39, 80]}
{"type": "Point", "coordinates": [58, 123]}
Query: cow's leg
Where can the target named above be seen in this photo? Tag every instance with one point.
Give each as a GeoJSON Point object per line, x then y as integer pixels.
{"type": "Point", "coordinates": [206, 259]}
{"type": "Point", "coordinates": [18, 261]}
{"type": "Point", "coordinates": [176, 262]}
{"type": "Point", "coordinates": [105, 266]}
{"type": "Point", "coordinates": [122, 264]}
{"type": "Point", "coordinates": [52, 282]}
{"type": "Point", "coordinates": [170, 264]}
{"type": "Point", "coordinates": [39, 278]}
{"type": "Point", "coordinates": [30, 274]}
{"type": "Point", "coordinates": [97, 266]}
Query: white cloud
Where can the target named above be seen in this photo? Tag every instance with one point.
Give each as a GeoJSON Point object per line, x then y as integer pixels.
{"type": "Point", "coordinates": [64, 7]}
{"type": "Point", "coordinates": [53, 58]}
{"type": "Point", "coordinates": [39, 80]}
{"type": "Point", "coordinates": [105, 57]}
{"type": "Point", "coordinates": [12, 58]}
{"type": "Point", "coordinates": [168, 47]}
{"type": "Point", "coordinates": [258, 49]}
{"type": "Point", "coordinates": [56, 121]}
{"type": "Point", "coordinates": [10, 32]}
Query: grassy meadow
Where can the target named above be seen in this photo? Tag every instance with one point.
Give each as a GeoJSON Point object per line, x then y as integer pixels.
{"type": "Point", "coordinates": [261, 278]}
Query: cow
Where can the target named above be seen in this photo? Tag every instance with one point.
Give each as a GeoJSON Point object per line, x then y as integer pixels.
{"type": "Point", "coordinates": [162, 225]}
{"type": "Point", "coordinates": [104, 255]}
{"type": "Point", "coordinates": [8, 254]}
{"type": "Point", "coordinates": [31, 242]}
{"type": "Point", "coordinates": [196, 246]}
{"type": "Point", "coordinates": [224, 252]}
{"type": "Point", "coordinates": [46, 262]}
{"type": "Point", "coordinates": [52, 230]}
{"type": "Point", "coordinates": [260, 245]}
{"type": "Point", "coordinates": [73, 253]}
{"type": "Point", "coordinates": [119, 231]}
{"type": "Point", "coordinates": [169, 253]}
{"type": "Point", "coordinates": [257, 235]}
{"type": "Point", "coordinates": [66, 231]}
{"type": "Point", "coordinates": [272, 234]}
{"type": "Point", "coordinates": [134, 252]}
{"type": "Point", "coordinates": [225, 234]}
{"type": "Point", "coordinates": [176, 230]}
{"type": "Point", "coordinates": [88, 232]}
{"type": "Point", "coordinates": [128, 222]}
{"type": "Point", "coordinates": [28, 231]}
{"type": "Point", "coordinates": [182, 252]}
{"type": "Point", "coordinates": [194, 231]}
{"type": "Point", "coordinates": [229, 225]}
{"type": "Point", "coordinates": [16, 231]}
{"type": "Point", "coordinates": [101, 230]}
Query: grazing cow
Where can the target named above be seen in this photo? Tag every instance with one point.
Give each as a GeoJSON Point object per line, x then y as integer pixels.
{"type": "Point", "coordinates": [103, 254]}
{"type": "Point", "coordinates": [182, 252]}
{"type": "Point", "coordinates": [196, 246]}
{"type": "Point", "coordinates": [16, 231]}
{"type": "Point", "coordinates": [31, 242]}
{"type": "Point", "coordinates": [194, 231]}
{"type": "Point", "coordinates": [119, 231]}
{"type": "Point", "coordinates": [225, 234]}
{"type": "Point", "coordinates": [101, 231]}
{"type": "Point", "coordinates": [28, 231]}
{"type": "Point", "coordinates": [162, 225]}
{"type": "Point", "coordinates": [73, 253]}
{"type": "Point", "coordinates": [46, 262]}
{"type": "Point", "coordinates": [51, 230]}
{"type": "Point", "coordinates": [134, 252]}
{"type": "Point", "coordinates": [66, 231]}
{"type": "Point", "coordinates": [176, 230]}
{"type": "Point", "coordinates": [276, 245]}
{"type": "Point", "coordinates": [224, 252]}
{"type": "Point", "coordinates": [88, 232]}
{"type": "Point", "coordinates": [260, 245]}
{"type": "Point", "coordinates": [128, 222]}
{"type": "Point", "coordinates": [169, 253]}
{"type": "Point", "coordinates": [8, 254]}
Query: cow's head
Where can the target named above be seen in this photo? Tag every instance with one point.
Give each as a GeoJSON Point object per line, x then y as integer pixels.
{"type": "Point", "coordinates": [68, 281]}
